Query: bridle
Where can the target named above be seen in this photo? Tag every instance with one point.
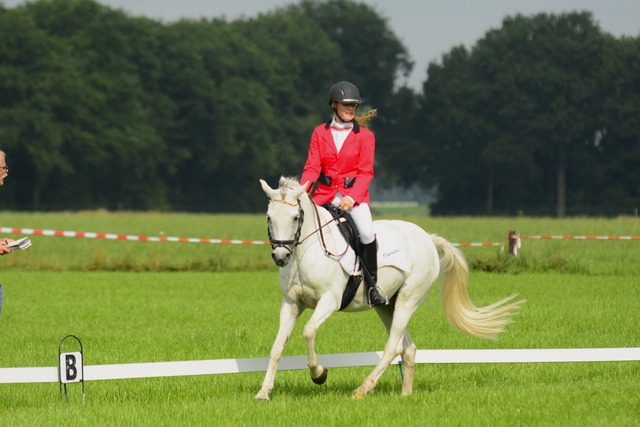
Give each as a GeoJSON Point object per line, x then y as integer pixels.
{"type": "Point", "coordinates": [296, 239]}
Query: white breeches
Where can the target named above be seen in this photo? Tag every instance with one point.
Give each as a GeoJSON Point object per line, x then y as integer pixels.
{"type": "Point", "coordinates": [362, 217]}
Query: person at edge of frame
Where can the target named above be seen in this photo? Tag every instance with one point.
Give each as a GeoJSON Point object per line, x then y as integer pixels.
{"type": "Point", "coordinates": [4, 171]}
{"type": "Point", "coordinates": [340, 158]}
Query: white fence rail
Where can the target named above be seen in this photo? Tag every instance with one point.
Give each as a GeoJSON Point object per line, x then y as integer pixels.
{"type": "Point", "coordinates": [234, 366]}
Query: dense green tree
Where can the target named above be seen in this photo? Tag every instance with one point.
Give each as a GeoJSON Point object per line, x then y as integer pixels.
{"type": "Point", "coordinates": [509, 121]}
{"type": "Point", "coordinates": [561, 64]}
{"type": "Point", "coordinates": [397, 137]}
{"type": "Point", "coordinates": [35, 83]}
{"type": "Point", "coordinates": [619, 141]}
{"type": "Point", "coordinates": [372, 55]}
{"type": "Point", "coordinates": [101, 109]}
{"type": "Point", "coordinates": [242, 108]}
{"type": "Point", "coordinates": [85, 113]}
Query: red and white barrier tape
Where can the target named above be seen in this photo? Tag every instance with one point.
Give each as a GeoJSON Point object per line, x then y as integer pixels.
{"type": "Point", "coordinates": [109, 236]}
{"type": "Point", "coordinates": [580, 237]}
{"type": "Point", "coordinates": [91, 235]}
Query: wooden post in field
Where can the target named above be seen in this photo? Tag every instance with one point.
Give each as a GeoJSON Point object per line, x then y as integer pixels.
{"type": "Point", "coordinates": [514, 243]}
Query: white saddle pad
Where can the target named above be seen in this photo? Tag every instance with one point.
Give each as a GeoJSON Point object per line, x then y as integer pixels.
{"type": "Point", "coordinates": [389, 252]}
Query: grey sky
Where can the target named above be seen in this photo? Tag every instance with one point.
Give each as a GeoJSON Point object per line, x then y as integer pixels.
{"type": "Point", "coordinates": [427, 28]}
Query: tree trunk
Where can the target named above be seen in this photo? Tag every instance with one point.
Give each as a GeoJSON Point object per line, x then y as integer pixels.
{"type": "Point", "coordinates": [490, 190]}
{"type": "Point", "coordinates": [562, 183]}
{"type": "Point", "coordinates": [36, 198]}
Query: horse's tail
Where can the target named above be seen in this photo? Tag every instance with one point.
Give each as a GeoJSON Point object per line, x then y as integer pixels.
{"type": "Point", "coordinates": [484, 322]}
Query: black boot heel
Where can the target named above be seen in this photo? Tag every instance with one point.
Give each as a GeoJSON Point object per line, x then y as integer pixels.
{"type": "Point", "coordinates": [375, 299]}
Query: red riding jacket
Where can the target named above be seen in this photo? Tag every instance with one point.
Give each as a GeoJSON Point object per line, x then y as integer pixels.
{"type": "Point", "coordinates": [355, 160]}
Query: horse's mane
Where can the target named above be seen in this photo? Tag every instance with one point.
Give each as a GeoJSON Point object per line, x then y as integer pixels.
{"type": "Point", "coordinates": [289, 182]}
{"type": "Point", "coordinates": [286, 184]}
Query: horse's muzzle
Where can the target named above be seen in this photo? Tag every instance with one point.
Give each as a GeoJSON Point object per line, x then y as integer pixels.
{"type": "Point", "coordinates": [281, 256]}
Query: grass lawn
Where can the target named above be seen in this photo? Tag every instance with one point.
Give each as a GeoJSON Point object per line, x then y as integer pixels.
{"type": "Point", "coordinates": [143, 302]}
{"type": "Point", "coordinates": [145, 317]}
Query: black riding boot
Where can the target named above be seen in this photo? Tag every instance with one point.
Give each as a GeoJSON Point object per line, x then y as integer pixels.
{"type": "Point", "coordinates": [370, 261]}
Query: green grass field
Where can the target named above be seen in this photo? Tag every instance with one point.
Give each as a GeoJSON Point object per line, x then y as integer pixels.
{"type": "Point", "coordinates": [588, 298]}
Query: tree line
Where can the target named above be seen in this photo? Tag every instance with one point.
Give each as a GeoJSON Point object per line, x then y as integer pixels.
{"type": "Point", "coordinates": [102, 109]}
{"type": "Point", "coordinates": [540, 116]}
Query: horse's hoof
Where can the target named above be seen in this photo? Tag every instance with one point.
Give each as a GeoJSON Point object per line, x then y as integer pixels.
{"type": "Point", "coordinates": [357, 395]}
{"type": "Point", "coordinates": [322, 378]}
{"type": "Point", "coordinates": [260, 397]}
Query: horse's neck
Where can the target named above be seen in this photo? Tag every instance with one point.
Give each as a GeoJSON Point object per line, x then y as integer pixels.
{"type": "Point", "coordinates": [316, 267]}
{"type": "Point", "coordinates": [313, 225]}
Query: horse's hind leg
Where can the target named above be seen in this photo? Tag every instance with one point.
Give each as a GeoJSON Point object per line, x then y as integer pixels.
{"type": "Point", "coordinates": [409, 349]}
{"type": "Point", "coordinates": [409, 363]}
{"type": "Point", "coordinates": [404, 308]}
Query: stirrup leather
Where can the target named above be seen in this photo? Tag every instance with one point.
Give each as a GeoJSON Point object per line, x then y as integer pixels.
{"type": "Point", "coordinates": [382, 294]}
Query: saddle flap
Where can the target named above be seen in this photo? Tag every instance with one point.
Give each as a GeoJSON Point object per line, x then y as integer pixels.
{"type": "Point", "coordinates": [347, 226]}
{"type": "Point", "coordinates": [349, 231]}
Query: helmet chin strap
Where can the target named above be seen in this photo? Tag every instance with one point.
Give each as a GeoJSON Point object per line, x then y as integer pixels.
{"type": "Point", "coordinates": [340, 119]}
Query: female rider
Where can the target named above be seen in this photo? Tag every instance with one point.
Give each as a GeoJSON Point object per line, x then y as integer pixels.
{"type": "Point", "coordinates": [341, 159]}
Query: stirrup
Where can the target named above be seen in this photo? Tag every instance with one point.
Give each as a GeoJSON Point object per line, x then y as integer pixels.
{"type": "Point", "coordinates": [386, 299]}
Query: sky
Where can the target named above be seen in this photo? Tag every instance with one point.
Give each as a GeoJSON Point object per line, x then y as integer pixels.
{"type": "Point", "coordinates": [427, 28]}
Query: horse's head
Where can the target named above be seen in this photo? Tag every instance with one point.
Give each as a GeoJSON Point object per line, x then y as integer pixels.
{"type": "Point", "coordinates": [285, 218]}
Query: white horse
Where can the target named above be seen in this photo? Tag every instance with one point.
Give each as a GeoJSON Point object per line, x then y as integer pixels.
{"type": "Point", "coordinates": [312, 277]}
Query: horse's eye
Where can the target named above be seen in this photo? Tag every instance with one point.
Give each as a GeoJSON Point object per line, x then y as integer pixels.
{"type": "Point", "coordinates": [296, 218]}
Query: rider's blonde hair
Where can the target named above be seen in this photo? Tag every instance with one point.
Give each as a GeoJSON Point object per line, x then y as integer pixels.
{"type": "Point", "coordinates": [363, 118]}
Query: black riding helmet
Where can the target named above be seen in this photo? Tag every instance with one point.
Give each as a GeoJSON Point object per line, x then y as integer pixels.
{"type": "Point", "coordinates": [344, 92]}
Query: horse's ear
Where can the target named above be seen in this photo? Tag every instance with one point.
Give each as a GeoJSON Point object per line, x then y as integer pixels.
{"type": "Point", "coordinates": [270, 192]}
{"type": "Point", "coordinates": [298, 191]}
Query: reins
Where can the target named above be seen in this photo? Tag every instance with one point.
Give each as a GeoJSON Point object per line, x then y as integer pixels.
{"type": "Point", "coordinates": [296, 239]}
{"type": "Point", "coordinates": [320, 227]}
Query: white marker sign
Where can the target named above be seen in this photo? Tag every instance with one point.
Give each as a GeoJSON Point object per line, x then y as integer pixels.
{"type": "Point", "coordinates": [71, 367]}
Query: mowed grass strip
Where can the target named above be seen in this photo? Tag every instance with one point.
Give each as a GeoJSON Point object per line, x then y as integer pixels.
{"type": "Point", "coordinates": [146, 317]}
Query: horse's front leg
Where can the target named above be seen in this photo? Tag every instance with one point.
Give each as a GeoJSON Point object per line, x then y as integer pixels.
{"type": "Point", "coordinates": [289, 312]}
{"type": "Point", "coordinates": [325, 308]}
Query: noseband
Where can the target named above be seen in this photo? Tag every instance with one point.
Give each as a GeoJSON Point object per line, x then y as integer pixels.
{"type": "Point", "coordinates": [296, 239]}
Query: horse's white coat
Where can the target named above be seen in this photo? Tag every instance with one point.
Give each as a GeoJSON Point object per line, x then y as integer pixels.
{"type": "Point", "coordinates": [309, 278]}
{"type": "Point", "coordinates": [389, 252]}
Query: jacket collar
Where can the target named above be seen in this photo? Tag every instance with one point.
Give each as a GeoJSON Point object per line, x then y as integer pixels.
{"type": "Point", "coordinates": [356, 126]}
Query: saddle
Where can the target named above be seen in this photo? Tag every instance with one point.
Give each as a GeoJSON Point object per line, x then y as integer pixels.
{"type": "Point", "coordinates": [349, 230]}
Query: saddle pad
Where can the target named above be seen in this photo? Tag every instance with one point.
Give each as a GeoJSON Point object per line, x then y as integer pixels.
{"type": "Point", "coordinates": [389, 252]}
